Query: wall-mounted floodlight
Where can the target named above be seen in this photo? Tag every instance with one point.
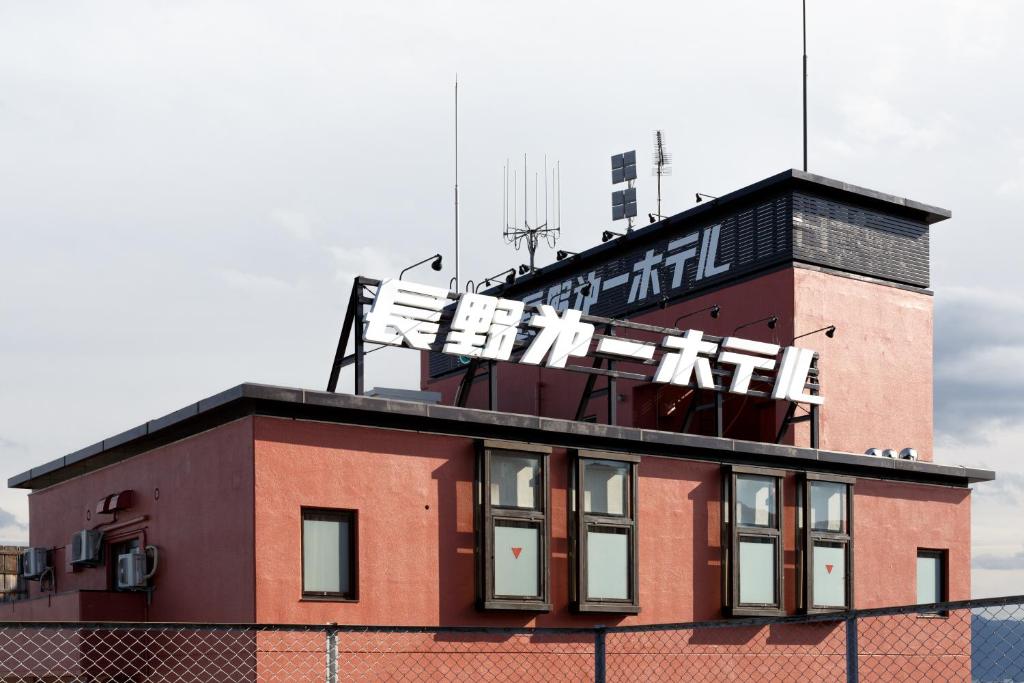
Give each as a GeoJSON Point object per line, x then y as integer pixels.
{"type": "Point", "coordinates": [609, 235]}
{"type": "Point", "coordinates": [524, 269]}
{"type": "Point", "coordinates": [655, 217]}
{"type": "Point", "coordinates": [771, 321]}
{"type": "Point", "coordinates": [714, 310]}
{"type": "Point", "coordinates": [829, 330]}
{"type": "Point", "coordinates": [435, 263]}
{"type": "Point", "coordinates": [562, 254]}
{"type": "Point", "coordinates": [508, 275]}
{"type": "Point", "coordinates": [701, 197]}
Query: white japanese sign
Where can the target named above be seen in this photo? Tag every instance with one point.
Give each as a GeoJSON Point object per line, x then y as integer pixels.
{"type": "Point", "coordinates": [488, 327]}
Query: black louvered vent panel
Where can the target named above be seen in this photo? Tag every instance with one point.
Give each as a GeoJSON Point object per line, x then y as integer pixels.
{"type": "Point", "coordinates": [858, 240]}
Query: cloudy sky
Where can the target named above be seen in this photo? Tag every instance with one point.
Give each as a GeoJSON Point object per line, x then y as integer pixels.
{"type": "Point", "coordinates": [187, 188]}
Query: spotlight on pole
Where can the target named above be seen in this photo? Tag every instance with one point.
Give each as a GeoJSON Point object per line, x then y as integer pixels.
{"type": "Point", "coordinates": [701, 197]}
{"type": "Point", "coordinates": [771, 320]}
{"type": "Point", "coordinates": [609, 235]}
{"type": "Point", "coordinates": [829, 330]}
{"type": "Point", "coordinates": [509, 277]}
{"type": "Point", "coordinates": [562, 254]}
{"type": "Point", "coordinates": [435, 263]}
{"type": "Point", "coordinates": [714, 310]}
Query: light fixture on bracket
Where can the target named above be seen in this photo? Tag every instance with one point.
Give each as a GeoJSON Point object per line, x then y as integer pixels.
{"type": "Point", "coordinates": [435, 264]}
{"type": "Point", "coordinates": [772, 320]}
{"type": "Point", "coordinates": [714, 309]}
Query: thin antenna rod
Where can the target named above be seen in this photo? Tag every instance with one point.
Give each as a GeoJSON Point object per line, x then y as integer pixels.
{"type": "Point", "coordinates": [526, 184]}
{"type": "Point", "coordinates": [456, 182]}
{"type": "Point", "coordinates": [545, 189]}
{"type": "Point", "coordinates": [558, 174]}
{"type": "Point", "coordinates": [805, 82]}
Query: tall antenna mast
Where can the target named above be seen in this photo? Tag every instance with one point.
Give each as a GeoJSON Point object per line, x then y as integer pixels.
{"type": "Point", "coordinates": [456, 182]}
{"type": "Point", "coordinates": [805, 82]}
{"type": "Point", "coordinates": [530, 235]}
{"type": "Point", "coordinates": [662, 163]}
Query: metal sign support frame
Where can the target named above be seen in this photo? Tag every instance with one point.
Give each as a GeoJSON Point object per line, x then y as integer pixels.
{"type": "Point", "coordinates": [355, 316]}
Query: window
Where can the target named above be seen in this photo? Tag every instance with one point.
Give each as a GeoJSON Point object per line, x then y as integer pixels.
{"type": "Point", "coordinates": [329, 554]}
{"type": "Point", "coordinates": [512, 526]}
{"type": "Point", "coordinates": [602, 535]}
{"type": "Point", "coordinates": [752, 541]}
{"type": "Point", "coordinates": [932, 577]}
{"type": "Point", "coordinates": [826, 523]}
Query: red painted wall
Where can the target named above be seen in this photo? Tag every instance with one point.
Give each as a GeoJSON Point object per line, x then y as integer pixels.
{"type": "Point", "coordinates": [414, 496]}
{"type": "Point", "coordinates": [556, 393]}
{"type": "Point", "coordinates": [876, 372]}
{"type": "Point", "coordinates": [202, 524]}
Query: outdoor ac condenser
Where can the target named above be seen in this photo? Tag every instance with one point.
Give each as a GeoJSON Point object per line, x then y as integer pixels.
{"type": "Point", "coordinates": [33, 562]}
{"type": "Point", "coordinates": [85, 547]}
{"type": "Point", "coordinates": [131, 569]}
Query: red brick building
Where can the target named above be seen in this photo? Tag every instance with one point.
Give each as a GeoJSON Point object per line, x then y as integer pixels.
{"type": "Point", "coordinates": [545, 501]}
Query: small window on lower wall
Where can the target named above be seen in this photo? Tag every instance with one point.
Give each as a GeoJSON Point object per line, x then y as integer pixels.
{"type": "Point", "coordinates": [513, 526]}
{"type": "Point", "coordinates": [752, 541]}
{"type": "Point", "coordinates": [329, 554]}
{"type": "Point", "coordinates": [932, 578]}
{"type": "Point", "coordinates": [602, 532]}
{"type": "Point", "coordinates": [826, 554]}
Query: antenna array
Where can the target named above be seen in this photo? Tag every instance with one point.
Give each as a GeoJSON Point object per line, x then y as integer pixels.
{"type": "Point", "coordinates": [531, 235]}
{"type": "Point", "coordinates": [662, 160]}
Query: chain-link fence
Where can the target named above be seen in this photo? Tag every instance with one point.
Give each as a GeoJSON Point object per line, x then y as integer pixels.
{"type": "Point", "coordinates": [981, 640]}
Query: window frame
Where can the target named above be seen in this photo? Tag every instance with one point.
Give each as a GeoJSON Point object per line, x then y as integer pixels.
{"type": "Point", "coordinates": [731, 534]}
{"type": "Point", "coordinates": [485, 515]}
{"type": "Point", "coordinates": [943, 555]}
{"type": "Point", "coordinates": [579, 523]}
{"type": "Point", "coordinates": [352, 517]}
{"type": "Point", "coordinates": [808, 536]}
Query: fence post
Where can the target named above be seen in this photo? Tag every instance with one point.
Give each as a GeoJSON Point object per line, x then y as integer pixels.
{"type": "Point", "coordinates": [599, 654]}
{"type": "Point", "coordinates": [852, 672]}
{"type": "Point", "coordinates": [332, 655]}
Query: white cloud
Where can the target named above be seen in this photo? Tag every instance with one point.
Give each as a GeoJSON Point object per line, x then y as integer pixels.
{"type": "Point", "coordinates": [295, 223]}
{"type": "Point", "coordinates": [873, 121]}
{"type": "Point", "coordinates": [257, 284]}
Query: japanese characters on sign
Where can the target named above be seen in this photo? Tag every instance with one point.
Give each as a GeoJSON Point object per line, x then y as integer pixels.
{"type": "Point", "coordinates": [488, 328]}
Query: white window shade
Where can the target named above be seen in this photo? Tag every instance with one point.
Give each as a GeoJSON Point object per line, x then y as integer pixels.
{"type": "Point", "coordinates": [757, 571]}
{"type": "Point", "coordinates": [608, 564]}
{"type": "Point", "coordinates": [325, 547]}
{"type": "Point", "coordinates": [829, 574]}
{"type": "Point", "coordinates": [516, 560]}
{"type": "Point", "coordinates": [929, 578]}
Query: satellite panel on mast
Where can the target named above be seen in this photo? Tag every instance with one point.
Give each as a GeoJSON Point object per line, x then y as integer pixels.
{"type": "Point", "coordinates": [624, 167]}
{"type": "Point", "coordinates": [624, 204]}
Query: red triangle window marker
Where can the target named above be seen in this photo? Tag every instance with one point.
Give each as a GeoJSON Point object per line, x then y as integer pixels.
{"type": "Point", "coordinates": [828, 568]}
{"type": "Point", "coordinates": [516, 551]}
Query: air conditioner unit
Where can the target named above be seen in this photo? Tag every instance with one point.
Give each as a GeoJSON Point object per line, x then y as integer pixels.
{"type": "Point", "coordinates": [132, 573]}
{"type": "Point", "coordinates": [85, 547]}
{"type": "Point", "coordinates": [33, 563]}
